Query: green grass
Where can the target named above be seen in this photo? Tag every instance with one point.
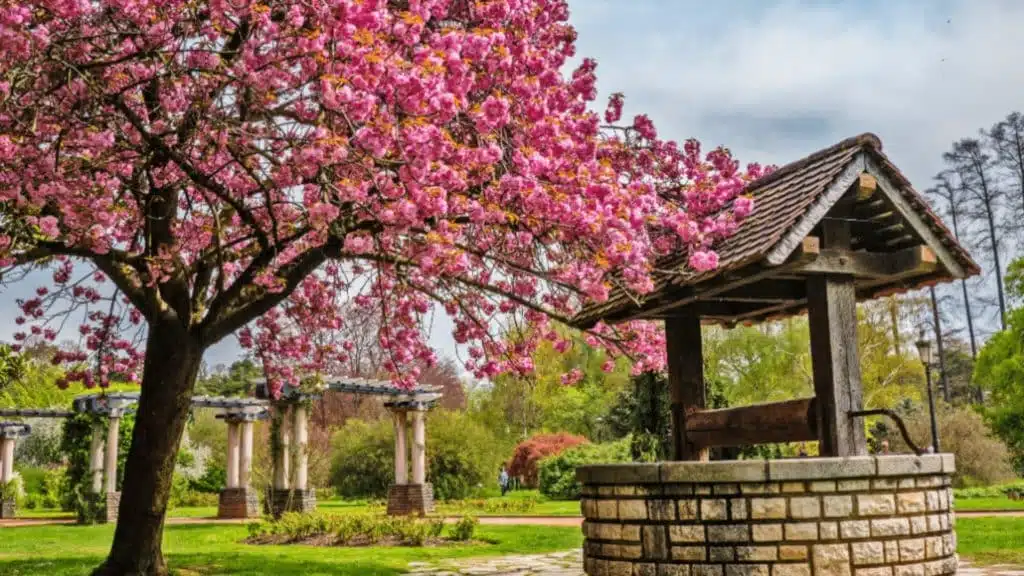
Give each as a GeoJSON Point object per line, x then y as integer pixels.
{"type": "Point", "coordinates": [968, 504]}
{"type": "Point", "coordinates": [991, 540]}
{"type": "Point", "coordinates": [207, 550]}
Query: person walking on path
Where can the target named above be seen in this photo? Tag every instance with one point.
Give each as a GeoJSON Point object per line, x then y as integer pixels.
{"type": "Point", "coordinates": [503, 480]}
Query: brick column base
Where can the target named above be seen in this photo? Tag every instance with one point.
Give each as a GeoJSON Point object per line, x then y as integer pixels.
{"type": "Point", "coordinates": [281, 501]}
{"type": "Point", "coordinates": [238, 503]}
{"type": "Point", "coordinates": [113, 505]}
{"type": "Point", "coordinates": [8, 508]}
{"type": "Point", "coordinates": [406, 499]}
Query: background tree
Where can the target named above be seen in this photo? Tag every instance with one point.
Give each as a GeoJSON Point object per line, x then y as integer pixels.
{"type": "Point", "coordinates": [975, 169]}
{"type": "Point", "coordinates": [190, 170]}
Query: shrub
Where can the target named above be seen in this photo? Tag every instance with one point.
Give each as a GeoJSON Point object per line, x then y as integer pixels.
{"type": "Point", "coordinates": [364, 460]}
{"type": "Point", "coordinates": [529, 452]}
{"type": "Point", "coordinates": [212, 481]}
{"type": "Point", "coordinates": [41, 448]}
{"type": "Point", "coordinates": [460, 456]}
{"type": "Point", "coordinates": [359, 528]}
{"type": "Point", "coordinates": [558, 473]}
{"type": "Point", "coordinates": [464, 529]}
{"type": "Point", "coordinates": [981, 458]}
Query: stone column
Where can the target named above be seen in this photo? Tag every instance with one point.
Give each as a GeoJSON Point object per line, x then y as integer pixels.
{"type": "Point", "coordinates": [237, 500]}
{"type": "Point", "coordinates": [6, 460]}
{"type": "Point", "coordinates": [284, 440]}
{"type": "Point", "coordinates": [300, 416]}
{"type": "Point", "coordinates": [419, 447]}
{"type": "Point", "coordinates": [96, 458]}
{"type": "Point", "coordinates": [401, 453]}
{"type": "Point", "coordinates": [233, 441]}
{"type": "Point", "coordinates": [245, 455]}
{"type": "Point", "coordinates": [110, 464]}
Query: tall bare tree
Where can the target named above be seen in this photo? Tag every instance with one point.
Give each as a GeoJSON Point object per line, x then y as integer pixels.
{"type": "Point", "coordinates": [949, 198]}
{"type": "Point", "coordinates": [1007, 140]}
{"type": "Point", "coordinates": [976, 170]}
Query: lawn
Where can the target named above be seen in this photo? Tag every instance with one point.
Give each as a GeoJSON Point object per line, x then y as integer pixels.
{"type": "Point", "coordinates": [987, 504]}
{"type": "Point", "coordinates": [207, 550]}
{"type": "Point", "coordinates": [991, 540]}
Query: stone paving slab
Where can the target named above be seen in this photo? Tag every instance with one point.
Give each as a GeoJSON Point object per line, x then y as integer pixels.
{"type": "Point", "coordinates": [569, 563]}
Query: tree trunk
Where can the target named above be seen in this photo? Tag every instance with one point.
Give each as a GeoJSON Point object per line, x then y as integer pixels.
{"type": "Point", "coordinates": [173, 357]}
{"type": "Point", "coordinates": [938, 342]}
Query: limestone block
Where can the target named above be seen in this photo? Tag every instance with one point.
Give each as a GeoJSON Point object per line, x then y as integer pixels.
{"type": "Point", "coordinates": [910, 502]}
{"type": "Point", "coordinates": [877, 571]}
{"type": "Point", "coordinates": [673, 570]}
{"type": "Point", "coordinates": [852, 529]}
{"type": "Point", "coordinates": [790, 552]}
{"type": "Point", "coordinates": [728, 533]}
{"type": "Point", "coordinates": [804, 507]}
{"type": "Point", "coordinates": [890, 527]}
{"type": "Point", "coordinates": [823, 486]}
{"type": "Point", "coordinates": [716, 509]}
{"type": "Point", "coordinates": [767, 532]}
{"type": "Point", "coordinates": [655, 543]}
{"type": "Point", "coordinates": [828, 531]}
{"type": "Point", "coordinates": [706, 570]}
{"type": "Point", "coordinates": [721, 554]}
{"type": "Point", "coordinates": [686, 533]}
{"type": "Point", "coordinates": [853, 485]}
{"type": "Point", "coordinates": [791, 570]}
{"type": "Point", "coordinates": [661, 509]}
{"type": "Point", "coordinates": [633, 509]}
{"type": "Point", "coordinates": [738, 509]}
{"type": "Point", "coordinates": [757, 553]}
{"type": "Point", "coordinates": [868, 553]}
{"type": "Point", "coordinates": [746, 570]}
{"type": "Point", "coordinates": [767, 508]}
{"type": "Point", "coordinates": [802, 531]}
{"type": "Point", "coordinates": [912, 550]}
{"type": "Point", "coordinates": [910, 570]}
{"type": "Point", "coordinates": [689, 553]}
{"type": "Point", "coordinates": [838, 506]}
{"type": "Point", "coordinates": [831, 560]}
{"type": "Point", "coordinates": [876, 504]}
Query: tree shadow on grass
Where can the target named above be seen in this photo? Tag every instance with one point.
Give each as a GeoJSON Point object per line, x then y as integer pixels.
{"type": "Point", "coordinates": [207, 565]}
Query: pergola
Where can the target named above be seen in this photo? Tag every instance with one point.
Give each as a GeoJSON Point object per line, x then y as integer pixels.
{"type": "Point", "coordinates": [290, 490]}
{"type": "Point", "coordinates": [239, 413]}
{"type": "Point", "coordinates": [839, 226]}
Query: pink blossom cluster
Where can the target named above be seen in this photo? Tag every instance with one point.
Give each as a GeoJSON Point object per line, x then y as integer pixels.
{"type": "Point", "coordinates": [254, 167]}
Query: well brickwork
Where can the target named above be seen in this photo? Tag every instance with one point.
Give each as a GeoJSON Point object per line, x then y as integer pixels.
{"type": "Point", "coordinates": [860, 516]}
{"type": "Point", "coordinates": [238, 503]}
{"type": "Point", "coordinates": [406, 499]}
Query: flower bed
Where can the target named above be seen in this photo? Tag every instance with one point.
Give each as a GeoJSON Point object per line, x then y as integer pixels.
{"type": "Point", "coordinates": [319, 529]}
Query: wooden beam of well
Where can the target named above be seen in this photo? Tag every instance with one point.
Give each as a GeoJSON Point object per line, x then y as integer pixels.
{"type": "Point", "coordinates": [683, 345]}
{"type": "Point", "coordinates": [866, 186]}
{"type": "Point", "coordinates": [789, 421]}
{"type": "Point", "coordinates": [889, 265]}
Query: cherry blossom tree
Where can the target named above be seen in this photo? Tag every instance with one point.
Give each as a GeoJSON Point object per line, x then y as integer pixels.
{"type": "Point", "coordinates": [189, 170]}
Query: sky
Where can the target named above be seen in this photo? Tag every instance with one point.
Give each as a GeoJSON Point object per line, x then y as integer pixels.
{"type": "Point", "coordinates": [777, 80]}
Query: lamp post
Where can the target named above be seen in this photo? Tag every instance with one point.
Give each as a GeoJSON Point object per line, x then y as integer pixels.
{"type": "Point", "coordinates": [924, 349]}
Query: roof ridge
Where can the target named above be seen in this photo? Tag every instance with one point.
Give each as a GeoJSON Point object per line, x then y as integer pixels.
{"type": "Point", "coordinates": [864, 140]}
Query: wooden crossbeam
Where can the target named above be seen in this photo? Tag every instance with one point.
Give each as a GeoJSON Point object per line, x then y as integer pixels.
{"type": "Point", "coordinates": [891, 265]}
{"type": "Point", "coordinates": [789, 421]}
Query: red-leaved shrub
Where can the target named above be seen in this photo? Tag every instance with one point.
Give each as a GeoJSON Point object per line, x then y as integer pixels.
{"type": "Point", "coordinates": [529, 452]}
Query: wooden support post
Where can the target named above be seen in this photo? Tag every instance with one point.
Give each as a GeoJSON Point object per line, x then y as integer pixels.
{"type": "Point", "coordinates": [6, 460]}
{"type": "Point", "coordinates": [401, 452]}
{"type": "Point", "coordinates": [683, 345]}
{"type": "Point", "coordinates": [110, 462]}
{"type": "Point", "coordinates": [300, 421]}
{"type": "Point", "coordinates": [232, 454]}
{"type": "Point", "coordinates": [832, 314]}
{"type": "Point", "coordinates": [419, 447]}
{"type": "Point", "coordinates": [281, 463]}
{"type": "Point", "coordinates": [96, 458]}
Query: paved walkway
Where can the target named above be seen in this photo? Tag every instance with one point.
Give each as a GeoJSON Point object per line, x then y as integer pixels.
{"type": "Point", "coordinates": [557, 564]}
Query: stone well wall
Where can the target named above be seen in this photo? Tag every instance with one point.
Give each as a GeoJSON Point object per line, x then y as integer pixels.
{"type": "Point", "coordinates": [861, 516]}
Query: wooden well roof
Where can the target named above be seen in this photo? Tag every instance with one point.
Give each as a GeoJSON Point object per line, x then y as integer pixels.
{"type": "Point", "coordinates": [897, 244]}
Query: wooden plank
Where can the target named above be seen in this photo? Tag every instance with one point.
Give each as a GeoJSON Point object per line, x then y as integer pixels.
{"type": "Point", "coordinates": [832, 316]}
{"type": "Point", "coordinates": [890, 266]}
{"type": "Point", "coordinates": [789, 421]}
{"type": "Point", "coordinates": [684, 348]}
